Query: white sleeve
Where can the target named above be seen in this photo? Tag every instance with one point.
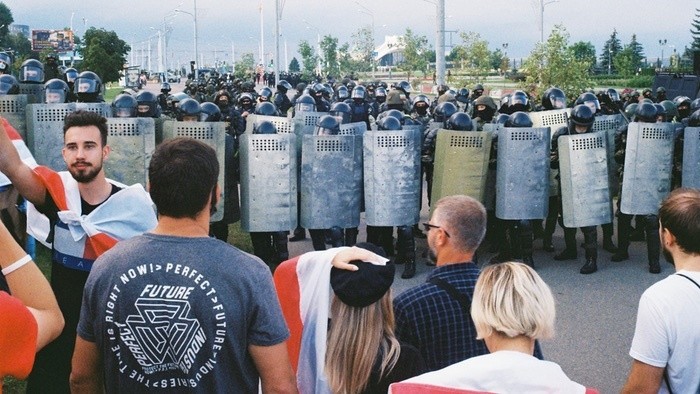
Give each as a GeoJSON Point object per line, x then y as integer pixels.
{"type": "Point", "coordinates": [650, 344]}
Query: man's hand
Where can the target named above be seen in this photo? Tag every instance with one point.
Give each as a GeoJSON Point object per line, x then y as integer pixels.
{"type": "Point", "coordinates": [343, 258]}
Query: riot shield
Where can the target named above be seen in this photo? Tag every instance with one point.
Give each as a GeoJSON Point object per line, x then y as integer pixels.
{"type": "Point", "coordinates": [331, 181]}
{"type": "Point", "coordinates": [133, 141]}
{"type": "Point", "coordinates": [33, 92]}
{"type": "Point", "coordinates": [282, 124]}
{"type": "Point", "coordinates": [355, 128]}
{"type": "Point", "coordinates": [493, 127]}
{"type": "Point", "coordinates": [45, 129]}
{"type": "Point", "coordinates": [461, 163]}
{"type": "Point", "coordinates": [648, 161]}
{"type": "Point", "coordinates": [14, 109]}
{"type": "Point", "coordinates": [553, 119]}
{"type": "Point", "coordinates": [268, 165]}
{"type": "Point", "coordinates": [392, 177]}
{"type": "Point", "coordinates": [610, 124]}
{"type": "Point", "coordinates": [211, 133]}
{"type": "Point", "coordinates": [522, 176]}
{"type": "Point", "coordinates": [691, 158]}
{"type": "Point", "coordinates": [585, 192]}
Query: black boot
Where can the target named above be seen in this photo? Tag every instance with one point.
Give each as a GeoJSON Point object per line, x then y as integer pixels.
{"type": "Point", "coordinates": [547, 245]}
{"type": "Point", "coordinates": [417, 233]}
{"type": "Point", "coordinates": [569, 253]}
{"type": "Point", "coordinates": [624, 226]}
{"type": "Point", "coordinates": [299, 235]}
{"type": "Point", "coordinates": [409, 271]}
{"type": "Point", "coordinates": [590, 240]}
{"type": "Point", "coordinates": [653, 243]}
{"type": "Point", "coordinates": [608, 244]}
{"type": "Point", "coordinates": [590, 266]}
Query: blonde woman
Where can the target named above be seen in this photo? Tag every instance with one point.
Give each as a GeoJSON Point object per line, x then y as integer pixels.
{"type": "Point", "coordinates": [362, 353]}
{"type": "Point", "coordinates": [512, 307]}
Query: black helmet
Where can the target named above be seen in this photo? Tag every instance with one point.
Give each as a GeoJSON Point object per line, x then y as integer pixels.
{"type": "Point", "coordinates": [264, 127]}
{"type": "Point", "coordinates": [694, 105]}
{"type": "Point", "coordinates": [421, 103]}
{"type": "Point", "coordinates": [442, 89]}
{"type": "Point", "coordinates": [504, 104]}
{"type": "Point", "coordinates": [317, 90]}
{"type": "Point", "coordinates": [266, 108]}
{"type": "Point", "coordinates": [87, 86]}
{"type": "Point", "coordinates": [380, 94]}
{"type": "Point", "coordinates": [51, 58]}
{"type": "Point", "coordinates": [245, 99]}
{"type": "Point", "coordinates": [553, 98]}
{"type": "Point", "coordinates": [342, 111]}
{"type": "Point", "coordinates": [342, 93]}
{"type": "Point", "coordinates": [500, 119]}
{"type": "Point", "coordinates": [443, 111]}
{"type": "Point", "coordinates": [165, 88]}
{"type": "Point", "coordinates": [8, 84]}
{"type": "Point", "coordinates": [31, 71]}
{"type": "Point", "coordinates": [590, 100]}
{"type": "Point", "coordinates": [683, 104]}
{"type": "Point", "coordinates": [581, 115]}
{"type": "Point", "coordinates": [630, 110]}
{"type": "Point", "coordinates": [124, 106]}
{"type": "Point", "coordinates": [5, 63]}
{"type": "Point", "coordinates": [394, 113]}
{"type": "Point", "coordinates": [382, 84]}
{"type": "Point", "coordinates": [359, 92]}
{"type": "Point", "coordinates": [519, 119]}
{"type": "Point", "coordinates": [147, 104]}
{"type": "Point", "coordinates": [405, 86]}
{"type": "Point", "coordinates": [671, 110]}
{"type": "Point", "coordinates": [55, 91]}
{"type": "Point", "coordinates": [460, 121]}
{"type": "Point", "coordinates": [646, 113]}
{"type": "Point", "coordinates": [265, 94]}
{"type": "Point", "coordinates": [660, 112]}
{"type": "Point", "coordinates": [284, 86]}
{"type": "Point", "coordinates": [327, 125]}
{"type": "Point", "coordinates": [519, 101]}
{"type": "Point", "coordinates": [613, 95]}
{"type": "Point", "coordinates": [388, 123]}
{"type": "Point", "coordinates": [463, 95]}
{"type": "Point", "coordinates": [189, 107]}
{"type": "Point", "coordinates": [646, 93]}
{"type": "Point", "coordinates": [305, 103]}
{"type": "Point", "coordinates": [694, 119]}
{"type": "Point", "coordinates": [301, 86]}
{"type": "Point", "coordinates": [210, 112]}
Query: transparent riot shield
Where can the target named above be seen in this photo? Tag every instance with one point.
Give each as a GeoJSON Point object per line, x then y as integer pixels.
{"type": "Point", "coordinates": [331, 181]}
{"type": "Point", "coordinates": [14, 109]}
{"type": "Point", "coordinates": [553, 119]}
{"type": "Point", "coordinates": [355, 128]}
{"type": "Point", "coordinates": [268, 164]}
{"type": "Point", "coordinates": [282, 124]}
{"type": "Point", "coordinates": [585, 192]}
{"type": "Point", "coordinates": [132, 142]}
{"type": "Point", "coordinates": [33, 91]}
{"type": "Point", "coordinates": [522, 175]}
{"type": "Point", "coordinates": [392, 177]}
{"type": "Point", "coordinates": [648, 161]}
{"type": "Point", "coordinates": [691, 158]}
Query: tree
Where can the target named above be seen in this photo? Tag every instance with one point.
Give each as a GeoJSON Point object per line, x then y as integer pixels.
{"type": "Point", "coordinates": [104, 53]}
{"type": "Point", "coordinates": [6, 20]}
{"type": "Point", "coordinates": [308, 57]}
{"type": "Point", "coordinates": [244, 67]}
{"type": "Point", "coordinates": [584, 51]}
{"type": "Point", "coordinates": [348, 63]}
{"type": "Point", "coordinates": [695, 31]}
{"type": "Point", "coordinates": [294, 66]}
{"type": "Point", "coordinates": [610, 49]}
{"type": "Point", "coordinates": [363, 47]}
{"type": "Point", "coordinates": [476, 49]}
{"type": "Point", "coordinates": [329, 49]}
{"type": "Point", "coordinates": [553, 63]}
{"type": "Point", "coordinates": [625, 63]}
{"type": "Point", "coordinates": [414, 53]}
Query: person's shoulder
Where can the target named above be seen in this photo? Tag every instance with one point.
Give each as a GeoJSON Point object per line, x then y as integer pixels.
{"type": "Point", "coordinates": [414, 296]}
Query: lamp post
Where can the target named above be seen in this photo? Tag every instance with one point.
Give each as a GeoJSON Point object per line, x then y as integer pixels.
{"type": "Point", "coordinates": [610, 61]}
{"type": "Point", "coordinates": [196, 52]}
{"type": "Point", "coordinates": [662, 42]}
{"type": "Point", "coordinates": [369, 12]}
{"type": "Point", "coordinates": [318, 44]}
{"type": "Point", "coordinates": [542, 4]}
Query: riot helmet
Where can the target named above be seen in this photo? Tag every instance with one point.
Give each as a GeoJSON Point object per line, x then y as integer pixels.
{"type": "Point", "coordinates": [31, 71]}
{"type": "Point", "coordinates": [647, 100]}
{"type": "Point", "coordinates": [519, 102]}
{"type": "Point", "coordinates": [350, 84]}
{"type": "Point", "coordinates": [124, 106]}
{"type": "Point", "coordinates": [342, 93]}
{"type": "Point", "coordinates": [5, 63]}
{"type": "Point", "coordinates": [463, 95]}
{"type": "Point", "coordinates": [264, 127]}
{"type": "Point", "coordinates": [553, 98]}
{"type": "Point", "coordinates": [284, 86]}
{"type": "Point", "coordinates": [359, 93]}
{"type": "Point", "coordinates": [265, 94]}
{"type": "Point", "coordinates": [55, 91]}
{"type": "Point", "coordinates": [405, 86]}
{"type": "Point", "coordinates": [210, 112]}
{"type": "Point", "coordinates": [630, 110]}
{"type": "Point", "coordinates": [683, 106]}
{"type": "Point", "coordinates": [505, 104]}
{"type": "Point", "coordinates": [245, 100]}
{"type": "Point", "coordinates": [519, 119]}
{"type": "Point", "coordinates": [327, 125]}
{"type": "Point", "coordinates": [342, 111]}
{"type": "Point", "coordinates": [165, 88]}
{"type": "Point", "coordinates": [382, 84]}
{"type": "Point", "coordinates": [147, 104]}
{"type": "Point", "coordinates": [590, 100]}
{"type": "Point", "coordinates": [317, 90]}
{"type": "Point", "coordinates": [388, 123]}
{"type": "Point", "coordinates": [394, 113]}
{"type": "Point", "coordinates": [484, 108]}
{"type": "Point", "coordinates": [646, 93]}
{"type": "Point", "coordinates": [645, 113]}
{"type": "Point", "coordinates": [189, 110]}
{"type": "Point", "coordinates": [581, 119]}
{"type": "Point", "coordinates": [500, 119]}
{"type": "Point", "coordinates": [380, 95]}
{"type": "Point", "coordinates": [305, 103]}
{"type": "Point", "coordinates": [660, 94]}
{"type": "Point", "coordinates": [88, 86]}
{"type": "Point", "coordinates": [694, 119]}
{"type": "Point", "coordinates": [460, 121]}
{"type": "Point", "coordinates": [661, 115]}
{"type": "Point", "coordinates": [301, 86]}
{"type": "Point", "coordinates": [222, 99]}
{"type": "Point", "coordinates": [266, 108]}
{"type": "Point", "coordinates": [8, 84]}
{"type": "Point", "coordinates": [671, 110]}
{"type": "Point", "coordinates": [443, 111]}
{"type": "Point", "coordinates": [613, 95]}
{"type": "Point", "coordinates": [421, 103]}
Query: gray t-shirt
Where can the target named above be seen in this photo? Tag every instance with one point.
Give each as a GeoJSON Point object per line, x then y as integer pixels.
{"type": "Point", "coordinates": [177, 314]}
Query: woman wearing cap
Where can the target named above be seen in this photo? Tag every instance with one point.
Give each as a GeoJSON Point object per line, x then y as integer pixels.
{"type": "Point", "coordinates": [512, 307]}
{"type": "Point", "coordinates": [363, 354]}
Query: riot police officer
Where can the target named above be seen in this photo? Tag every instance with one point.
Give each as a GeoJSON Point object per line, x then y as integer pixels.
{"type": "Point", "coordinates": [442, 113]}
{"type": "Point", "coordinates": [361, 110]}
{"type": "Point", "coordinates": [5, 63]}
{"type": "Point", "coordinates": [280, 98]}
{"type": "Point", "coordinates": [31, 71]}
{"type": "Point", "coordinates": [88, 87]}
{"type": "Point", "coordinates": [165, 90]}
{"type": "Point", "coordinates": [55, 91]}
{"type": "Point", "coordinates": [124, 106]}
{"type": "Point", "coordinates": [51, 70]}
{"type": "Point", "coordinates": [147, 105]}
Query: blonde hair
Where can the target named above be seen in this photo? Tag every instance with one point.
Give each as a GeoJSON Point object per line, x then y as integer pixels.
{"type": "Point", "coordinates": [512, 299]}
{"type": "Point", "coordinates": [357, 338]}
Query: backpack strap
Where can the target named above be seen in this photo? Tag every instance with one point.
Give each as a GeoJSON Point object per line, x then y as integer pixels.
{"type": "Point", "coordinates": [463, 299]}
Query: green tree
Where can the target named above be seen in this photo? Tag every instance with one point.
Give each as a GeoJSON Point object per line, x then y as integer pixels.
{"type": "Point", "coordinates": [244, 67]}
{"type": "Point", "coordinates": [308, 57]}
{"type": "Point", "coordinates": [6, 20]}
{"type": "Point", "coordinates": [695, 31]}
{"type": "Point", "coordinates": [610, 49]}
{"type": "Point", "coordinates": [498, 61]}
{"type": "Point", "coordinates": [104, 53]}
{"type": "Point", "coordinates": [329, 49]}
{"type": "Point", "coordinates": [350, 63]}
{"type": "Point", "coordinates": [584, 51]}
{"type": "Point", "coordinates": [637, 51]}
{"type": "Point", "coordinates": [294, 65]}
{"type": "Point", "coordinates": [625, 63]}
{"type": "Point", "coordinates": [415, 50]}
{"type": "Point", "coordinates": [362, 46]}
{"type": "Point", "coordinates": [553, 63]}
{"type": "Point", "coordinates": [478, 56]}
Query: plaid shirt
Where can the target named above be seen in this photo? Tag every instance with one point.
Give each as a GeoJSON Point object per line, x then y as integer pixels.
{"type": "Point", "coordinates": [428, 318]}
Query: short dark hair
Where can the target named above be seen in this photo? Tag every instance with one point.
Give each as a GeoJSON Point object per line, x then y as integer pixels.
{"type": "Point", "coordinates": [182, 175]}
{"type": "Point", "coordinates": [82, 118]}
{"type": "Point", "coordinates": [680, 214]}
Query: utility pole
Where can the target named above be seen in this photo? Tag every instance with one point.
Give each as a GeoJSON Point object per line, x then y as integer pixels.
{"type": "Point", "coordinates": [440, 43]}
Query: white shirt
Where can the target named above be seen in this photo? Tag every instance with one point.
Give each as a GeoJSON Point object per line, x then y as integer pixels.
{"type": "Point", "coordinates": [503, 372]}
{"type": "Point", "coordinates": [668, 331]}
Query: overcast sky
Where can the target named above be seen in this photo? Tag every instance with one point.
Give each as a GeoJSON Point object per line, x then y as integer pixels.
{"type": "Point", "coordinates": [237, 22]}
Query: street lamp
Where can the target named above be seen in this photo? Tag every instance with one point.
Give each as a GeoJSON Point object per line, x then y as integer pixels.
{"type": "Point", "coordinates": [542, 4]}
{"type": "Point", "coordinates": [662, 42]}
{"type": "Point", "coordinates": [196, 52]}
{"type": "Point", "coordinates": [367, 11]}
{"type": "Point", "coordinates": [610, 61]}
{"type": "Point", "coordinates": [318, 44]}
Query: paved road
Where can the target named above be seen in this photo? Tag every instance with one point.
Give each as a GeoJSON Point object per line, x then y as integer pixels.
{"type": "Point", "coordinates": [595, 313]}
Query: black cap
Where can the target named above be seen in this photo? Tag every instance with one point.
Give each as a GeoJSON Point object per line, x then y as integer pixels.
{"type": "Point", "coordinates": [365, 286]}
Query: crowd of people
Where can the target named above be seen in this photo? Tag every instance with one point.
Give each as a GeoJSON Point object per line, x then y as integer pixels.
{"type": "Point", "coordinates": [151, 300]}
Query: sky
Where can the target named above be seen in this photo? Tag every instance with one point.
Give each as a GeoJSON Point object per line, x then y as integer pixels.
{"type": "Point", "coordinates": [232, 27]}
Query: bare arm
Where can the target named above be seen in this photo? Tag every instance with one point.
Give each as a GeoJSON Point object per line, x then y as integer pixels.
{"type": "Point", "coordinates": [85, 376]}
{"type": "Point", "coordinates": [273, 366]}
{"type": "Point", "coordinates": [30, 286]}
{"type": "Point", "coordinates": [343, 258]}
{"type": "Point", "coordinates": [643, 378]}
{"type": "Point", "coordinates": [23, 178]}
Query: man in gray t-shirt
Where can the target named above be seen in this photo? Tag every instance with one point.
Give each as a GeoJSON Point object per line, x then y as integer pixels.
{"type": "Point", "coordinates": [174, 310]}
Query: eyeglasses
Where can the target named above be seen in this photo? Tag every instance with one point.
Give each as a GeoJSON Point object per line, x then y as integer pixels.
{"type": "Point", "coordinates": [427, 226]}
